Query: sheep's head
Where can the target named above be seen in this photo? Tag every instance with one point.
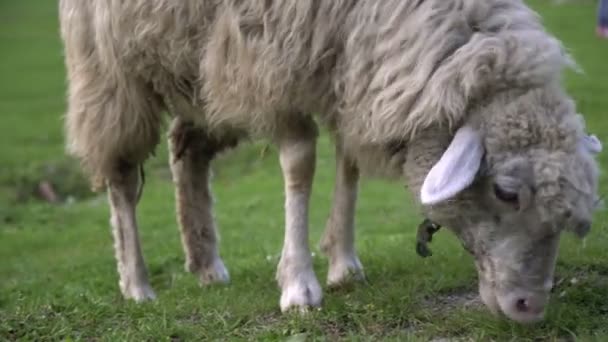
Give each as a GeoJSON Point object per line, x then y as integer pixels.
{"type": "Point", "coordinates": [514, 177]}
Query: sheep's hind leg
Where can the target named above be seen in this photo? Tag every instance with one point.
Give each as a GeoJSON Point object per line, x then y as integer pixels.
{"type": "Point", "coordinates": [295, 275]}
{"type": "Point", "coordinates": [338, 241]}
{"type": "Point", "coordinates": [192, 151]}
{"type": "Point", "coordinates": [124, 191]}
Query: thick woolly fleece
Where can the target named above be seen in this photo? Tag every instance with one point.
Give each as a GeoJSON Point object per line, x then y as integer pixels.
{"type": "Point", "coordinates": [378, 71]}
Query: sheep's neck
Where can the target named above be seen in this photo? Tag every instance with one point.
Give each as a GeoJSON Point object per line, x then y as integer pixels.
{"type": "Point", "coordinates": [422, 153]}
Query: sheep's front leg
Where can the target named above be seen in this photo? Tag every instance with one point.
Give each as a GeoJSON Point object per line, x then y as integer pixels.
{"type": "Point", "coordinates": [123, 197]}
{"type": "Point", "coordinates": [338, 241]}
{"type": "Point", "coordinates": [191, 154]}
{"type": "Point", "coordinates": [295, 275]}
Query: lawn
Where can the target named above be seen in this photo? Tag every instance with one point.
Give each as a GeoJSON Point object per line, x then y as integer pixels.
{"type": "Point", "coordinates": [57, 271]}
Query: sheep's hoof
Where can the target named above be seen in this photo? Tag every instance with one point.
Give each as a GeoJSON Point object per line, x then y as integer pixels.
{"type": "Point", "coordinates": [216, 273]}
{"type": "Point", "coordinates": [139, 293]}
{"type": "Point", "coordinates": [345, 270]}
{"type": "Point", "coordinates": [301, 294]}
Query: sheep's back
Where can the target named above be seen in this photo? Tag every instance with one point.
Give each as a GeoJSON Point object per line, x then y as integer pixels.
{"type": "Point", "coordinates": [246, 64]}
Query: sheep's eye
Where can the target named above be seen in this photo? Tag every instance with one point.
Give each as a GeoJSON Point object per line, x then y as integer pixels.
{"type": "Point", "coordinates": [505, 196]}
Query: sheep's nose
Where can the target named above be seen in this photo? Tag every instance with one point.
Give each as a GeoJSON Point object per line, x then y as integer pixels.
{"type": "Point", "coordinates": [529, 305]}
{"type": "Point", "coordinates": [528, 308]}
{"type": "Point", "coordinates": [525, 307]}
{"type": "Point", "coordinates": [582, 228]}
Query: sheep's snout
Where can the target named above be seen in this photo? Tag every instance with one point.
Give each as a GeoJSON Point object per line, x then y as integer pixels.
{"type": "Point", "coordinates": [524, 306]}
{"type": "Point", "coordinates": [521, 305]}
{"type": "Point", "coordinates": [516, 279]}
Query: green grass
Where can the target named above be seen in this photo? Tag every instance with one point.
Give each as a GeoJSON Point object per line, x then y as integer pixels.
{"type": "Point", "coordinates": [57, 271]}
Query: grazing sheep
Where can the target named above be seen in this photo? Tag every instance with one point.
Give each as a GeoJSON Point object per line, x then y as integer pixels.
{"type": "Point", "coordinates": [460, 99]}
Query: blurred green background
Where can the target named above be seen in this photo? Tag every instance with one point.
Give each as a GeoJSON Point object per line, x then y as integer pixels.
{"type": "Point", "coordinates": [57, 271]}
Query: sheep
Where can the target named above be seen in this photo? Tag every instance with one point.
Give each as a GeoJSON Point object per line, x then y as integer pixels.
{"type": "Point", "coordinates": [459, 100]}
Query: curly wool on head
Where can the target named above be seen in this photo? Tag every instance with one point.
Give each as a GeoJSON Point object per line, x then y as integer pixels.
{"type": "Point", "coordinates": [542, 126]}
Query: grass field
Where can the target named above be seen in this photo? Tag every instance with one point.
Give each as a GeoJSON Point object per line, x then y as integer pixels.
{"type": "Point", "coordinates": [57, 271]}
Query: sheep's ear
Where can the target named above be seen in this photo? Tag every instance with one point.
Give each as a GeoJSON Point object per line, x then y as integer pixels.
{"type": "Point", "coordinates": [456, 169]}
{"type": "Point", "coordinates": [592, 144]}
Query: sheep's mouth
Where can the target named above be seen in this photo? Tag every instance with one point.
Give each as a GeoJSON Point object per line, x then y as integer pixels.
{"type": "Point", "coordinates": [522, 304]}
{"type": "Point", "coordinates": [487, 285]}
{"type": "Point", "coordinates": [488, 296]}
